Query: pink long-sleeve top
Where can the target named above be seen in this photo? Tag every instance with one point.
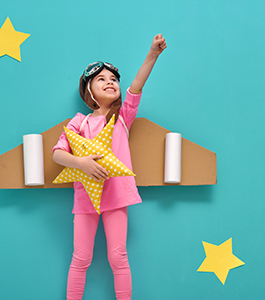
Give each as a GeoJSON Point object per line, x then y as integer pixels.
{"type": "Point", "coordinates": [117, 191]}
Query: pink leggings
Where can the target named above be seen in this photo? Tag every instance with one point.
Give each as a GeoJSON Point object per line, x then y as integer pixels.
{"type": "Point", "coordinates": [85, 227]}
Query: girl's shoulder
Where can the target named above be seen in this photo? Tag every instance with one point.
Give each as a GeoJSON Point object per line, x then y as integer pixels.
{"type": "Point", "coordinates": [79, 117]}
{"type": "Point", "coordinates": [76, 122]}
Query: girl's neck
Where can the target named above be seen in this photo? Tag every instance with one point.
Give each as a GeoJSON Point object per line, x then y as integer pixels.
{"type": "Point", "coordinates": [102, 111]}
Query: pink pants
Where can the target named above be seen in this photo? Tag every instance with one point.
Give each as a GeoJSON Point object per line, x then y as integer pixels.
{"type": "Point", "coordinates": [85, 227]}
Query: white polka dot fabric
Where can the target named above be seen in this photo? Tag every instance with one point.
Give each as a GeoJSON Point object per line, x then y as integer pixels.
{"type": "Point", "coordinates": [101, 144]}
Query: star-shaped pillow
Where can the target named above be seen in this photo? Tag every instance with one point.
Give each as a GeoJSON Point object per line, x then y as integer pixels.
{"type": "Point", "coordinates": [101, 144]}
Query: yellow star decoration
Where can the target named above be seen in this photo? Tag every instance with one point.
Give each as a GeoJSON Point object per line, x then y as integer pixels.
{"type": "Point", "coordinates": [10, 40]}
{"type": "Point", "coordinates": [219, 260]}
{"type": "Point", "coordinates": [101, 144]}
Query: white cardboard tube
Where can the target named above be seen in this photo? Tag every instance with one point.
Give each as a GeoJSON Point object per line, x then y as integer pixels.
{"type": "Point", "coordinates": [33, 159]}
{"type": "Point", "coordinates": [172, 158]}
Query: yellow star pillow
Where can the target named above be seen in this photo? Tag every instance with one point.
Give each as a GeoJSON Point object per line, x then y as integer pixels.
{"type": "Point", "coordinates": [101, 144]}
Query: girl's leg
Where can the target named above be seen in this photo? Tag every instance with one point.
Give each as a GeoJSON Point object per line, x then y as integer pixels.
{"type": "Point", "coordinates": [85, 227]}
{"type": "Point", "coordinates": [115, 225]}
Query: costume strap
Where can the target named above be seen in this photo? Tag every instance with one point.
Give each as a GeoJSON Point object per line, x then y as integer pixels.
{"type": "Point", "coordinates": [122, 120]}
{"type": "Point", "coordinates": [83, 123]}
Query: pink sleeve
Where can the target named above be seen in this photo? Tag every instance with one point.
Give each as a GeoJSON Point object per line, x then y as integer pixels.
{"type": "Point", "coordinates": [73, 125]}
{"type": "Point", "coordinates": [129, 107]}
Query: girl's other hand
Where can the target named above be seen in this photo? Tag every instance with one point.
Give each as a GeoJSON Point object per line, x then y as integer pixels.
{"type": "Point", "coordinates": [89, 165]}
{"type": "Point", "coordinates": [158, 45]}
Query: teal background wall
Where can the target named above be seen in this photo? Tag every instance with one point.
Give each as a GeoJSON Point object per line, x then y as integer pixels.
{"type": "Point", "coordinates": [207, 85]}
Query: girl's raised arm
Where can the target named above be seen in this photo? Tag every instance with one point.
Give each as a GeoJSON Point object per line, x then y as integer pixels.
{"type": "Point", "coordinates": [157, 47]}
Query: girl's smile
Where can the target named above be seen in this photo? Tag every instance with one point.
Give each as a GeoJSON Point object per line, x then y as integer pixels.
{"type": "Point", "coordinates": [110, 88]}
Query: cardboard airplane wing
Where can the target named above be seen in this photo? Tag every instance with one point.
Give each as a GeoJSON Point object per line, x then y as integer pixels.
{"type": "Point", "coordinates": [147, 144]}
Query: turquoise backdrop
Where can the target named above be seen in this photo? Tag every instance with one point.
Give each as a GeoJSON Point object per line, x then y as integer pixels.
{"type": "Point", "coordinates": [207, 85]}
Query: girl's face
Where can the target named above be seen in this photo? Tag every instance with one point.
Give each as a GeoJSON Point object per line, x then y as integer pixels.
{"type": "Point", "coordinates": [105, 88]}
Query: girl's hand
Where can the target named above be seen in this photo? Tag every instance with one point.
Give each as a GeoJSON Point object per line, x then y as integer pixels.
{"type": "Point", "coordinates": [158, 45]}
{"type": "Point", "coordinates": [89, 165]}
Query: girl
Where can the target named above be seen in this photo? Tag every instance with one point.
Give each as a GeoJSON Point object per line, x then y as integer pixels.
{"type": "Point", "coordinates": [99, 88]}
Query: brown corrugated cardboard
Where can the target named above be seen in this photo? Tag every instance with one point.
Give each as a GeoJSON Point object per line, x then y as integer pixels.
{"type": "Point", "coordinates": [147, 144]}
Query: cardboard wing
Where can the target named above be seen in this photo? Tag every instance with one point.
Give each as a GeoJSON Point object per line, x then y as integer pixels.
{"type": "Point", "coordinates": [147, 144]}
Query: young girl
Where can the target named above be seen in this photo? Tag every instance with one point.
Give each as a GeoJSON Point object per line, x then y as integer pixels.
{"type": "Point", "coordinates": [99, 88]}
